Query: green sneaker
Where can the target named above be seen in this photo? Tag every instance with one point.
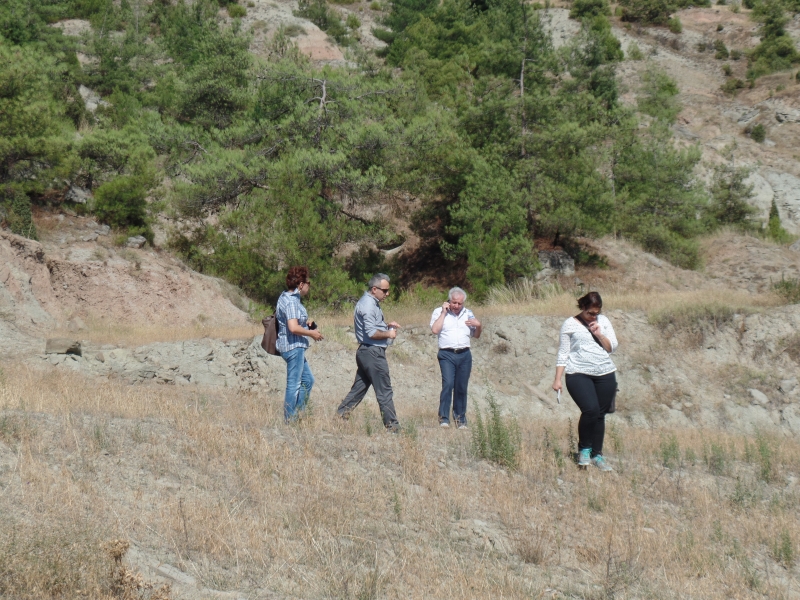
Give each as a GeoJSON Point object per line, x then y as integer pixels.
{"type": "Point", "coordinates": [600, 462]}
{"type": "Point", "coordinates": [584, 457]}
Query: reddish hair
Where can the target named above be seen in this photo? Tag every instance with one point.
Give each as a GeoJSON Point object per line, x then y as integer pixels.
{"type": "Point", "coordinates": [295, 277]}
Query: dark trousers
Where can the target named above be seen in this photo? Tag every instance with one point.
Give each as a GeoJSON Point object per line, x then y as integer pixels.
{"type": "Point", "coordinates": [456, 369]}
{"type": "Point", "coordinates": [373, 370]}
{"type": "Point", "coordinates": [593, 395]}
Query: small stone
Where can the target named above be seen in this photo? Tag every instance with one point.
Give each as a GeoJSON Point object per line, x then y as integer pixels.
{"type": "Point", "coordinates": [787, 385]}
{"type": "Point", "coordinates": [648, 530]}
{"type": "Point", "coordinates": [551, 350]}
{"type": "Point", "coordinates": [758, 397]}
{"type": "Point", "coordinates": [99, 357]}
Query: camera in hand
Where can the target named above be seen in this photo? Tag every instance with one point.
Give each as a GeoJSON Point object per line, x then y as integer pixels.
{"type": "Point", "coordinates": [312, 325]}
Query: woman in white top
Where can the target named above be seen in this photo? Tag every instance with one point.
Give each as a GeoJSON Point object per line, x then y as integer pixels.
{"type": "Point", "coordinates": [587, 340]}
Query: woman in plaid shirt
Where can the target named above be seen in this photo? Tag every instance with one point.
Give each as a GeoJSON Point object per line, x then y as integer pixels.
{"type": "Point", "coordinates": [294, 329]}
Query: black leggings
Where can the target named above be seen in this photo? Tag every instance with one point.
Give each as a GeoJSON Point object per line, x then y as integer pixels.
{"type": "Point", "coordinates": [593, 395]}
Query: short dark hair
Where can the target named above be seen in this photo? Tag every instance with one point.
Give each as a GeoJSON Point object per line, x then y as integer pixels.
{"type": "Point", "coordinates": [590, 300]}
{"type": "Point", "coordinates": [295, 277]}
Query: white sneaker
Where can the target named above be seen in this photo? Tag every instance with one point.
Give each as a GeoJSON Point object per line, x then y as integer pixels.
{"type": "Point", "coordinates": [462, 425]}
{"type": "Point", "coordinates": [444, 424]}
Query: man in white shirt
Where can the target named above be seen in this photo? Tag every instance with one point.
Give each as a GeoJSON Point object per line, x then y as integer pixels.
{"type": "Point", "coordinates": [455, 325]}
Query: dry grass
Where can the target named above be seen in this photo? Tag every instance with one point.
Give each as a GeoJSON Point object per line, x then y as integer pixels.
{"type": "Point", "coordinates": [127, 335]}
{"type": "Point", "coordinates": [211, 482]}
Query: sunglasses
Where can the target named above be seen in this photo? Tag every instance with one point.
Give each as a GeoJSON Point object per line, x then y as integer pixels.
{"type": "Point", "coordinates": [384, 290]}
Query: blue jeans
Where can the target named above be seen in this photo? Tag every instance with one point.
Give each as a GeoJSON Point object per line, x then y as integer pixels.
{"type": "Point", "coordinates": [456, 369]}
{"type": "Point", "coordinates": [299, 382]}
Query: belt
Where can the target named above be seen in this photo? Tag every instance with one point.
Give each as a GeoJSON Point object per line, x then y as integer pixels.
{"type": "Point", "coordinates": [455, 350]}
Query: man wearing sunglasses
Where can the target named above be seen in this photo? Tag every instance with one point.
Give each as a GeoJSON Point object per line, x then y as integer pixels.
{"type": "Point", "coordinates": [373, 335]}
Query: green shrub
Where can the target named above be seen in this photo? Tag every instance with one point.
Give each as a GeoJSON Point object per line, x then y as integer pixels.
{"type": "Point", "coordinates": [732, 86]}
{"type": "Point", "coordinates": [655, 12]}
{"type": "Point", "coordinates": [589, 8]}
{"type": "Point", "coordinates": [727, 71]}
{"type": "Point", "coordinates": [121, 202]}
{"type": "Point", "coordinates": [494, 438]}
{"type": "Point", "coordinates": [352, 21]}
{"type": "Point", "coordinates": [720, 27]}
{"type": "Point", "coordinates": [701, 46]}
{"type": "Point", "coordinates": [236, 11]}
{"type": "Point", "coordinates": [730, 197]}
{"type": "Point", "coordinates": [328, 20]}
{"type": "Point", "coordinates": [789, 289]}
{"type": "Point", "coordinates": [736, 54]}
{"type": "Point", "coordinates": [376, 6]}
{"type": "Point", "coordinates": [758, 133]}
{"type": "Point", "coordinates": [722, 50]}
{"type": "Point", "coordinates": [15, 212]}
{"type": "Point", "coordinates": [716, 459]}
{"type": "Point", "coordinates": [670, 452]}
{"type": "Point", "coordinates": [634, 52]}
{"type": "Point", "coordinates": [675, 25]}
{"type": "Point", "coordinates": [775, 230]}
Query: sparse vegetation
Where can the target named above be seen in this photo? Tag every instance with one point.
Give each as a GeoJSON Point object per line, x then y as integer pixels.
{"type": "Point", "coordinates": [634, 52]}
{"type": "Point", "coordinates": [758, 133]}
{"type": "Point", "coordinates": [236, 11]}
{"type": "Point", "coordinates": [789, 289]}
{"type": "Point", "coordinates": [233, 446]}
{"type": "Point", "coordinates": [675, 25]}
{"type": "Point", "coordinates": [694, 319]}
{"type": "Point", "coordinates": [494, 437]}
{"type": "Point", "coordinates": [721, 50]}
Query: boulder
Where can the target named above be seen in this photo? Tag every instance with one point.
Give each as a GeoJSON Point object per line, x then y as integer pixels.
{"type": "Point", "coordinates": [63, 346]}
{"type": "Point", "coordinates": [78, 195]}
{"type": "Point", "coordinates": [555, 262]}
{"type": "Point", "coordinates": [137, 241]}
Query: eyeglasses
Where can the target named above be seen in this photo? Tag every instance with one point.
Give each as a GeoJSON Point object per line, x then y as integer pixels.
{"type": "Point", "coordinates": [384, 290]}
{"type": "Point", "coordinates": [594, 314]}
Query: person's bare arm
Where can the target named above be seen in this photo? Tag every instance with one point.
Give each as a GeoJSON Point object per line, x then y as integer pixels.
{"type": "Point", "coordinates": [557, 385]}
{"type": "Point", "coordinates": [389, 334]}
{"type": "Point", "coordinates": [437, 325]}
{"type": "Point", "coordinates": [478, 328]}
{"type": "Point", "coordinates": [293, 325]}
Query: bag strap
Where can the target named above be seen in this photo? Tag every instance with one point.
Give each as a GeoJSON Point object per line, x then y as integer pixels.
{"type": "Point", "coordinates": [580, 320]}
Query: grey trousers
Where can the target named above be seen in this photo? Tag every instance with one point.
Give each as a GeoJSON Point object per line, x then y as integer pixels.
{"type": "Point", "coordinates": [373, 369]}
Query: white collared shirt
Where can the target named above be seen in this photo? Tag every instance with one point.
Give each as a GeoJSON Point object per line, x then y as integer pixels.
{"type": "Point", "coordinates": [455, 333]}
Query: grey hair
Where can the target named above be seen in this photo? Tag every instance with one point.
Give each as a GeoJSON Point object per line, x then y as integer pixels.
{"type": "Point", "coordinates": [375, 280]}
{"type": "Point", "coordinates": [456, 291]}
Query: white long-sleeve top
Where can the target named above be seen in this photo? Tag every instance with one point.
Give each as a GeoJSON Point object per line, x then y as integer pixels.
{"type": "Point", "coordinates": [579, 353]}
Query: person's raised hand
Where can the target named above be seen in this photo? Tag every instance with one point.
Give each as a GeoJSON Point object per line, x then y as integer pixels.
{"type": "Point", "coordinates": [473, 322]}
{"type": "Point", "coordinates": [393, 325]}
{"type": "Point", "coordinates": [445, 306]}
